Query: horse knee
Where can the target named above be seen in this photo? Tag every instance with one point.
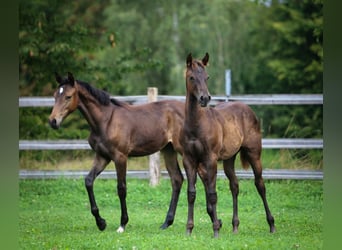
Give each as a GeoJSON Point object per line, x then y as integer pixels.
{"type": "Point", "coordinates": [212, 198]}
{"type": "Point", "coordinates": [211, 201]}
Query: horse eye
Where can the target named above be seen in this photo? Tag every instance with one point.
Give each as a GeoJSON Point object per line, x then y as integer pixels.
{"type": "Point", "coordinates": [68, 97]}
{"type": "Point", "coordinates": [191, 78]}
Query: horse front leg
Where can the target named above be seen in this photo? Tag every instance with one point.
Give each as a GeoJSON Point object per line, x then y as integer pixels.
{"type": "Point", "coordinates": [98, 165]}
{"type": "Point", "coordinates": [191, 173]}
{"type": "Point", "coordinates": [208, 176]}
{"type": "Point", "coordinates": [121, 168]}
{"type": "Point", "coordinates": [171, 163]}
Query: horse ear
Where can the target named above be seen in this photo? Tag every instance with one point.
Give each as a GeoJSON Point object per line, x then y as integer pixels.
{"type": "Point", "coordinates": [71, 79]}
{"type": "Point", "coordinates": [205, 59]}
{"type": "Point", "coordinates": [58, 77]}
{"type": "Point", "coordinates": [189, 60]}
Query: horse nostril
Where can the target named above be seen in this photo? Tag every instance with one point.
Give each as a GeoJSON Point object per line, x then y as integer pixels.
{"type": "Point", "coordinates": [201, 98]}
{"type": "Point", "coordinates": [53, 123]}
{"type": "Point", "coordinates": [209, 97]}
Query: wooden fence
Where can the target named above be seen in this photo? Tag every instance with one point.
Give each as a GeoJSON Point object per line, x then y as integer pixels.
{"type": "Point", "coordinates": [83, 144]}
{"type": "Point", "coordinates": [282, 99]}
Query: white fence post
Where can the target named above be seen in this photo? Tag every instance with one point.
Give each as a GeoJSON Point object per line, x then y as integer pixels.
{"type": "Point", "coordinates": [154, 159]}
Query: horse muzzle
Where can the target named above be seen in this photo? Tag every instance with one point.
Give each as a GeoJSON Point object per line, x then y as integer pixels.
{"type": "Point", "coordinates": [53, 123]}
{"type": "Point", "coordinates": [204, 100]}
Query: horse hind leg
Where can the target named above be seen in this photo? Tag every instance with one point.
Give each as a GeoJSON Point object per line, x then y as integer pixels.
{"type": "Point", "coordinates": [176, 177]}
{"type": "Point", "coordinates": [121, 169]}
{"type": "Point", "coordinates": [98, 166]}
{"type": "Point", "coordinates": [253, 157]}
{"type": "Point", "coordinates": [229, 170]}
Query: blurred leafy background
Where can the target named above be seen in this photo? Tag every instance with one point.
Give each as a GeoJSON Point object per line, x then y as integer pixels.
{"type": "Point", "coordinates": [123, 47]}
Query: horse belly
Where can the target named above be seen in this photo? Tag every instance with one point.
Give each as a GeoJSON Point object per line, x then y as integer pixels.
{"type": "Point", "coordinates": [147, 144]}
{"type": "Point", "coordinates": [143, 151]}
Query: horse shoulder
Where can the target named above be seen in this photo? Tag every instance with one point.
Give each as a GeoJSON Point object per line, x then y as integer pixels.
{"type": "Point", "coordinates": [115, 132]}
{"type": "Point", "coordinates": [100, 145]}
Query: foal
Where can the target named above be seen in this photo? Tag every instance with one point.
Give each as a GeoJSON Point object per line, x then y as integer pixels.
{"type": "Point", "coordinates": [119, 130]}
{"type": "Point", "coordinates": [220, 133]}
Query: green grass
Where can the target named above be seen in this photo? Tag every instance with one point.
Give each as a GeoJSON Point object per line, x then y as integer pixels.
{"type": "Point", "coordinates": [55, 214]}
{"type": "Point", "coordinates": [82, 160]}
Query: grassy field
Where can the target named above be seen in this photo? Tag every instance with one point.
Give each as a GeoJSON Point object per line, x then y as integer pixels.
{"type": "Point", "coordinates": [55, 214]}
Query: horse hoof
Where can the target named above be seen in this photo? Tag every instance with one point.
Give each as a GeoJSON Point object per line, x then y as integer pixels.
{"type": "Point", "coordinates": [101, 224]}
{"type": "Point", "coordinates": [272, 229]}
{"type": "Point", "coordinates": [166, 224]}
{"type": "Point", "coordinates": [220, 221]}
{"type": "Point", "coordinates": [216, 234]}
{"type": "Point", "coordinates": [121, 229]}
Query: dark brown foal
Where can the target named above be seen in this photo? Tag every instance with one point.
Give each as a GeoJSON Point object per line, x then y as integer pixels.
{"type": "Point", "coordinates": [220, 133]}
{"type": "Point", "coordinates": [119, 130]}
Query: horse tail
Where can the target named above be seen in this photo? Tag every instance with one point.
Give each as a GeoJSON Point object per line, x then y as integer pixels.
{"type": "Point", "coordinates": [244, 158]}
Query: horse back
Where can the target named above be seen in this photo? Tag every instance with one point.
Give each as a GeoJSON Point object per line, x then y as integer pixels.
{"type": "Point", "coordinates": [242, 113]}
{"type": "Point", "coordinates": [139, 130]}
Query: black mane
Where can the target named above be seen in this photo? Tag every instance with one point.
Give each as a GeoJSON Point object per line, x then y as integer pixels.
{"type": "Point", "coordinates": [117, 102]}
{"type": "Point", "coordinates": [100, 95]}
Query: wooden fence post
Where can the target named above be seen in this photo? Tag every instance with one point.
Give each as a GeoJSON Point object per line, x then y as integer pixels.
{"type": "Point", "coordinates": [154, 159]}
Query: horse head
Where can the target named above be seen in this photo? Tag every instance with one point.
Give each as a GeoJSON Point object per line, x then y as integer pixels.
{"type": "Point", "coordinates": [196, 79]}
{"type": "Point", "coordinates": [66, 100]}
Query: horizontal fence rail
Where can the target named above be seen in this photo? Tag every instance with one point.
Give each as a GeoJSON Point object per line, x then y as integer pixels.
{"type": "Point", "coordinates": [280, 99]}
{"type": "Point", "coordinates": [84, 145]}
{"type": "Point", "coordinates": [144, 174]}
{"type": "Point", "coordinates": [267, 143]}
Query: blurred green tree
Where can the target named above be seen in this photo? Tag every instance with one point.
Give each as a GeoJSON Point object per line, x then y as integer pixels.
{"type": "Point", "coordinates": [126, 46]}
{"type": "Point", "coordinates": [55, 36]}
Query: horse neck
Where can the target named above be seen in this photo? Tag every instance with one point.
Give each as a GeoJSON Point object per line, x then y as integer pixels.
{"type": "Point", "coordinates": [94, 112]}
{"type": "Point", "coordinates": [194, 114]}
